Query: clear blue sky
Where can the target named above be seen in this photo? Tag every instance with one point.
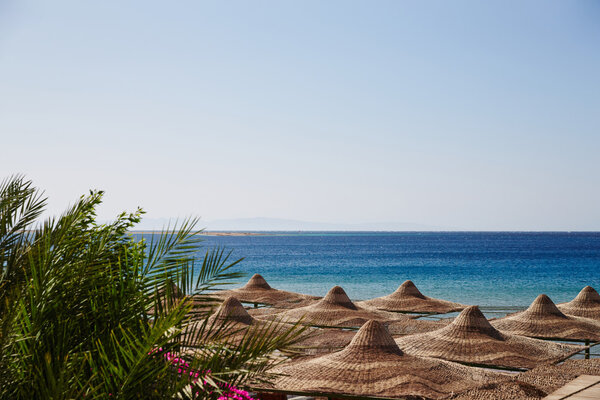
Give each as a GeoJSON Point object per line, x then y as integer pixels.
{"type": "Point", "coordinates": [464, 114]}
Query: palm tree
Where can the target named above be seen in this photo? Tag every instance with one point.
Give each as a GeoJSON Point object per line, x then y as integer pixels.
{"type": "Point", "coordinates": [88, 311]}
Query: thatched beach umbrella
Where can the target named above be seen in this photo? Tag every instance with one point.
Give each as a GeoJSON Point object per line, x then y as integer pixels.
{"type": "Point", "coordinates": [551, 377]}
{"type": "Point", "coordinates": [257, 290]}
{"type": "Point", "coordinates": [230, 321]}
{"type": "Point", "coordinates": [586, 304]}
{"type": "Point", "coordinates": [171, 289]}
{"type": "Point", "coordinates": [407, 298]}
{"type": "Point", "coordinates": [232, 310]}
{"type": "Point", "coordinates": [396, 327]}
{"type": "Point", "coordinates": [373, 365]}
{"type": "Point", "coordinates": [544, 320]}
{"type": "Point", "coordinates": [411, 326]}
{"type": "Point", "coordinates": [534, 384]}
{"type": "Point", "coordinates": [234, 322]}
{"type": "Point", "coordinates": [335, 310]}
{"type": "Point", "coordinates": [471, 339]}
{"type": "Point", "coordinates": [167, 297]}
{"type": "Point", "coordinates": [502, 390]}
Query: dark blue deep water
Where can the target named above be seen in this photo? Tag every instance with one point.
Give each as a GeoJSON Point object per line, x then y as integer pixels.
{"type": "Point", "coordinates": [487, 269]}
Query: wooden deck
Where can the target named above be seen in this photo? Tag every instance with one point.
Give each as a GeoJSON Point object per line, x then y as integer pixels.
{"type": "Point", "coordinates": [584, 387]}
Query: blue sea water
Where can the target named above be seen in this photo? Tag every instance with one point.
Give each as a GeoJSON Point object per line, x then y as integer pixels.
{"type": "Point", "coordinates": [495, 269]}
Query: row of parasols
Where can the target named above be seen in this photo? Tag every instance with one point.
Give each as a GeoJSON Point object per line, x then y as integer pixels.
{"type": "Point", "coordinates": [396, 355]}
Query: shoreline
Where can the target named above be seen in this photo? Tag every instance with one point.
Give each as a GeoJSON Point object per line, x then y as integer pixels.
{"type": "Point", "coordinates": [206, 233]}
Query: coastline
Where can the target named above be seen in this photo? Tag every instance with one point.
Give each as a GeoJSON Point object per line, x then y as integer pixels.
{"type": "Point", "coordinates": [205, 233]}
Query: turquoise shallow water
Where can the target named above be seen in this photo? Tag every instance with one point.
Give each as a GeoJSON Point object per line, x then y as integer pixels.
{"type": "Point", "coordinates": [488, 269]}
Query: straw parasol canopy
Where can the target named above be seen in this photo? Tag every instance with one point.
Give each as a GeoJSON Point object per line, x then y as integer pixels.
{"type": "Point", "coordinates": [232, 310]}
{"type": "Point", "coordinates": [551, 377]}
{"type": "Point", "coordinates": [544, 320]}
{"type": "Point", "coordinates": [471, 339]}
{"type": "Point", "coordinates": [407, 298]}
{"type": "Point", "coordinates": [502, 390]}
{"type": "Point", "coordinates": [171, 289]}
{"type": "Point", "coordinates": [230, 321]}
{"type": "Point", "coordinates": [322, 341]}
{"type": "Point", "coordinates": [169, 295]}
{"type": "Point", "coordinates": [235, 321]}
{"type": "Point", "coordinates": [257, 290]}
{"type": "Point", "coordinates": [335, 310]}
{"type": "Point", "coordinates": [410, 326]}
{"type": "Point", "coordinates": [534, 384]}
{"type": "Point", "coordinates": [586, 304]}
{"type": "Point", "coordinates": [373, 365]}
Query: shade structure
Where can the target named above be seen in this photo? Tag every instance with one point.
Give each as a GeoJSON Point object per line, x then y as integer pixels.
{"type": "Point", "coordinates": [235, 321]}
{"type": "Point", "coordinates": [551, 377]}
{"type": "Point", "coordinates": [586, 304]}
{"type": "Point", "coordinates": [257, 290]}
{"type": "Point", "coordinates": [171, 289]}
{"type": "Point", "coordinates": [373, 365]}
{"type": "Point", "coordinates": [320, 341]}
{"type": "Point", "coordinates": [232, 310]}
{"type": "Point", "coordinates": [410, 326]}
{"type": "Point", "coordinates": [335, 310]}
{"type": "Point", "coordinates": [503, 390]}
{"type": "Point", "coordinates": [534, 384]}
{"type": "Point", "coordinates": [544, 320]}
{"type": "Point", "coordinates": [169, 296]}
{"type": "Point", "coordinates": [408, 298]}
{"type": "Point", "coordinates": [230, 319]}
{"type": "Point", "coordinates": [471, 339]}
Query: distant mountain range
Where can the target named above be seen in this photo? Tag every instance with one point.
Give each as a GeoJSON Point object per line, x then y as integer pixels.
{"type": "Point", "coordinates": [278, 224]}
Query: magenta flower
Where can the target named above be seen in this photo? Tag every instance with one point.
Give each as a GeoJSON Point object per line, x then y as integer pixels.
{"type": "Point", "coordinates": [229, 392]}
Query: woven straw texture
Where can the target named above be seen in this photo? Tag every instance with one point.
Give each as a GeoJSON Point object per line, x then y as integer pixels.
{"type": "Point", "coordinates": [335, 310]}
{"type": "Point", "coordinates": [257, 290]}
{"type": "Point", "coordinates": [586, 304]}
{"type": "Point", "coordinates": [534, 384]}
{"type": "Point", "coordinates": [471, 339]}
{"type": "Point", "coordinates": [323, 341]}
{"type": "Point", "coordinates": [232, 310]}
{"type": "Point", "coordinates": [234, 319]}
{"type": "Point", "coordinates": [503, 390]}
{"type": "Point", "coordinates": [551, 377]}
{"type": "Point", "coordinates": [413, 326]}
{"type": "Point", "coordinates": [407, 298]}
{"type": "Point", "coordinates": [544, 320]}
{"type": "Point", "coordinates": [373, 365]}
{"type": "Point", "coordinates": [170, 296]}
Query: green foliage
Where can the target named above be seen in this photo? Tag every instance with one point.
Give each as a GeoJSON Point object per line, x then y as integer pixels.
{"type": "Point", "coordinates": [83, 306]}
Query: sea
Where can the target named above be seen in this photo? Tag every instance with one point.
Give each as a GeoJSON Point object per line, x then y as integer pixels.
{"type": "Point", "coordinates": [499, 271]}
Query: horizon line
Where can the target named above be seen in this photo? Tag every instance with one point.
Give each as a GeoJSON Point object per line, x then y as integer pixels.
{"type": "Point", "coordinates": [367, 231]}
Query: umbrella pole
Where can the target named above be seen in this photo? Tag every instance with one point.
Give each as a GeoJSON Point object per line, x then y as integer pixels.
{"type": "Point", "coordinates": [587, 350]}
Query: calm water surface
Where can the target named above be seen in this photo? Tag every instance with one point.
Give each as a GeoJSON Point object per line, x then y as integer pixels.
{"type": "Point", "coordinates": [487, 269]}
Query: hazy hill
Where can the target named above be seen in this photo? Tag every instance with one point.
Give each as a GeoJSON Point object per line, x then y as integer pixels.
{"type": "Point", "coordinates": [278, 224]}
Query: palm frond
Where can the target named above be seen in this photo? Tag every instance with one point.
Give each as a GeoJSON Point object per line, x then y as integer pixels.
{"type": "Point", "coordinates": [83, 305]}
